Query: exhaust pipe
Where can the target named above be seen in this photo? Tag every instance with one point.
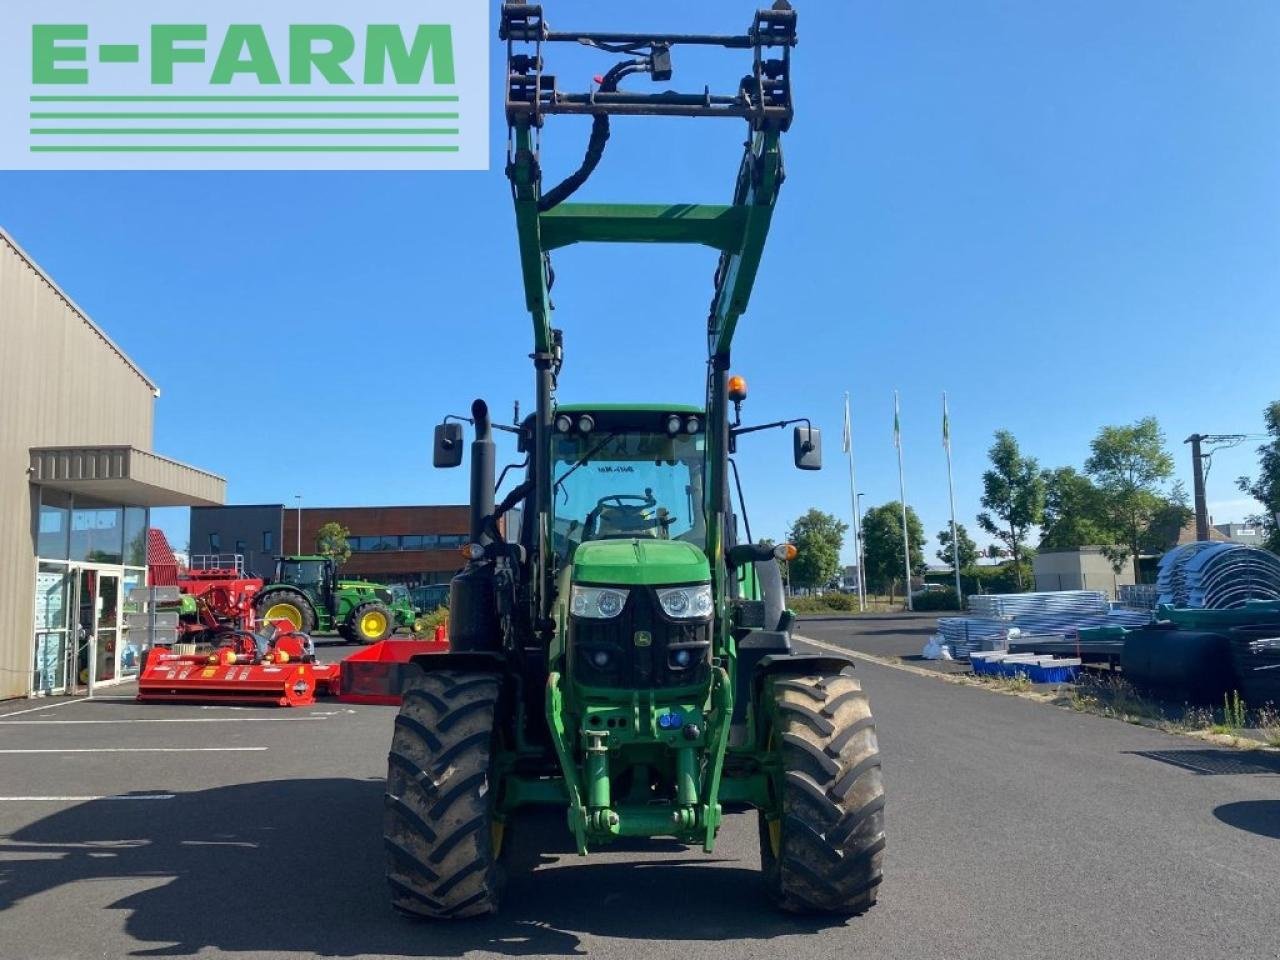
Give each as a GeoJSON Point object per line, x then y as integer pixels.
{"type": "Point", "coordinates": [483, 477]}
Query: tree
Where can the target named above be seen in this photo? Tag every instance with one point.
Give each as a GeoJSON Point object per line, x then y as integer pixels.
{"type": "Point", "coordinates": [1168, 521]}
{"type": "Point", "coordinates": [1129, 465]}
{"type": "Point", "coordinates": [1013, 492]}
{"type": "Point", "coordinates": [817, 537]}
{"type": "Point", "coordinates": [331, 541]}
{"type": "Point", "coordinates": [968, 549]}
{"type": "Point", "coordinates": [882, 544]}
{"type": "Point", "coordinates": [1074, 512]}
{"type": "Point", "coordinates": [1265, 488]}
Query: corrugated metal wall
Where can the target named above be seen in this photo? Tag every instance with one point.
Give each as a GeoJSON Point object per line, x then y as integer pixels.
{"type": "Point", "coordinates": [62, 382]}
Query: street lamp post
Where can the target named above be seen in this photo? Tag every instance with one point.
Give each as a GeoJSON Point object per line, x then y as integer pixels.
{"type": "Point", "coordinates": [298, 498]}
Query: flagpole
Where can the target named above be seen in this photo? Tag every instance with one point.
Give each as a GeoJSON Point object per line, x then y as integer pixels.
{"type": "Point", "coordinates": [902, 489]}
{"type": "Point", "coordinates": [853, 501]}
{"type": "Point", "coordinates": [951, 491]}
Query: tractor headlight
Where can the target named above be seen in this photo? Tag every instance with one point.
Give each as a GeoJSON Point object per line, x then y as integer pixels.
{"type": "Point", "coordinates": [687, 603]}
{"type": "Point", "coordinates": [597, 603]}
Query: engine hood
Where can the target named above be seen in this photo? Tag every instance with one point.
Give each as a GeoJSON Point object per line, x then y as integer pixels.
{"type": "Point", "coordinates": [639, 562]}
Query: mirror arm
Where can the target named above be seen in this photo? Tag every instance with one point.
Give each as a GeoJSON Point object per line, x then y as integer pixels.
{"type": "Point", "coordinates": [505, 428]}
{"type": "Point", "coordinates": [737, 431]}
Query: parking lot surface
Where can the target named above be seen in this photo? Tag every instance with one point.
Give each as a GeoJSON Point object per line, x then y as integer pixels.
{"type": "Point", "coordinates": [1015, 830]}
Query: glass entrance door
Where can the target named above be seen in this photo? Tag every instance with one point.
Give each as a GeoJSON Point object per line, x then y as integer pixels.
{"type": "Point", "coordinates": [107, 627]}
{"type": "Point", "coordinates": [84, 626]}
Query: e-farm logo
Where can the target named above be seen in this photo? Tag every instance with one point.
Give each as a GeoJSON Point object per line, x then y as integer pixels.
{"type": "Point", "coordinates": [233, 84]}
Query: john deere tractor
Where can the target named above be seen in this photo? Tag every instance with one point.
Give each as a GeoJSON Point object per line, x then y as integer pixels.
{"type": "Point", "coordinates": [306, 591]}
{"type": "Point", "coordinates": [627, 655]}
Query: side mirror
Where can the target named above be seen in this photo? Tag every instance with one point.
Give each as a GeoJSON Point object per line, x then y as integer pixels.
{"type": "Point", "coordinates": [447, 448]}
{"type": "Point", "coordinates": [806, 443]}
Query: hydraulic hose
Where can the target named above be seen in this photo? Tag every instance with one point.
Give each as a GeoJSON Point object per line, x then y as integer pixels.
{"type": "Point", "coordinates": [599, 137]}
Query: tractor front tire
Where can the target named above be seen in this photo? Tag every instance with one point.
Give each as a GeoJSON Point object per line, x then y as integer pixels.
{"type": "Point", "coordinates": [372, 622]}
{"type": "Point", "coordinates": [823, 853]}
{"type": "Point", "coordinates": [286, 605]}
{"type": "Point", "coordinates": [441, 836]}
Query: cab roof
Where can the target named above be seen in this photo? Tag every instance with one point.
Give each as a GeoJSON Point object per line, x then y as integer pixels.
{"type": "Point", "coordinates": [627, 407]}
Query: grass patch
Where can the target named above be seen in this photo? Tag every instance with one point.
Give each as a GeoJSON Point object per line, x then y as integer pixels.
{"type": "Point", "coordinates": [1268, 722]}
{"type": "Point", "coordinates": [1018, 683]}
{"type": "Point", "coordinates": [1108, 695]}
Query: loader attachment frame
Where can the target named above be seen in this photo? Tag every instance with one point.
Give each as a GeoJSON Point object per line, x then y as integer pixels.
{"type": "Point", "coordinates": [738, 230]}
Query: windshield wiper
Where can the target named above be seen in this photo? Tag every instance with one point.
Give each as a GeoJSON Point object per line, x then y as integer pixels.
{"type": "Point", "coordinates": [582, 461]}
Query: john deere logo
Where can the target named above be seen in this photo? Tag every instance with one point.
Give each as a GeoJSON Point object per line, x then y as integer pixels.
{"type": "Point", "coordinates": [643, 638]}
{"type": "Point", "coordinates": [216, 84]}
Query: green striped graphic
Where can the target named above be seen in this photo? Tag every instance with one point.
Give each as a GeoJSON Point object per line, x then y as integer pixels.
{"type": "Point", "coordinates": [251, 131]}
{"type": "Point", "coordinates": [243, 148]}
{"type": "Point", "coordinates": [243, 99]}
{"type": "Point", "coordinates": [243, 115]}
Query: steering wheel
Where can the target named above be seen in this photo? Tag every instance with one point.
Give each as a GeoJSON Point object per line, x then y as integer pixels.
{"type": "Point", "coordinates": [630, 516]}
{"type": "Point", "coordinates": [646, 500]}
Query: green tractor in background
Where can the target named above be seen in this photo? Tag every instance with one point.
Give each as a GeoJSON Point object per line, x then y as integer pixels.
{"type": "Point", "coordinates": [623, 653]}
{"type": "Point", "coordinates": [307, 592]}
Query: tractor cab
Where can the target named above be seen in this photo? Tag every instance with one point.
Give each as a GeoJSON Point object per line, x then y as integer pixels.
{"type": "Point", "coordinates": [313, 575]}
{"type": "Point", "coordinates": [621, 474]}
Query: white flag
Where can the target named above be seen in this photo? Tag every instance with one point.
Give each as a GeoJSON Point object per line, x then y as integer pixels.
{"type": "Point", "coordinates": [847, 442]}
{"type": "Point", "coordinates": [946, 424]}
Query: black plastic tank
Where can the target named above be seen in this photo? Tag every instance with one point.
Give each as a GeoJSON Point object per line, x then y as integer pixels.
{"type": "Point", "coordinates": [1257, 663]}
{"type": "Point", "coordinates": [473, 610]}
{"type": "Point", "coordinates": [1190, 665]}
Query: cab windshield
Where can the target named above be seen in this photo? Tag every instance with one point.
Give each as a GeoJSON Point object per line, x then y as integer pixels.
{"type": "Point", "coordinates": [615, 485]}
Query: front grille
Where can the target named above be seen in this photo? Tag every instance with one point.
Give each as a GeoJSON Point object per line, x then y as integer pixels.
{"type": "Point", "coordinates": [632, 665]}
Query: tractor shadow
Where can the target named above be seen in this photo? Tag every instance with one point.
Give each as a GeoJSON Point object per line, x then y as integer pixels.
{"type": "Point", "coordinates": [1260, 817]}
{"type": "Point", "coordinates": [296, 866]}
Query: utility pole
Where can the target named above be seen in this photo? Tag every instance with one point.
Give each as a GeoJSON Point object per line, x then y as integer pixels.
{"type": "Point", "coordinates": [1198, 472]}
{"type": "Point", "coordinates": [1197, 483]}
{"type": "Point", "coordinates": [298, 497]}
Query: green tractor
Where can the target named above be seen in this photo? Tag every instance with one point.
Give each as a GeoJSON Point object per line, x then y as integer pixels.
{"type": "Point", "coordinates": [626, 656]}
{"type": "Point", "coordinates": [306, 592]}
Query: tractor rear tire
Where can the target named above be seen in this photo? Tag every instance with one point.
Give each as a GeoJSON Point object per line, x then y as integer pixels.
{"type": "Point", "coordinates": [823, 854]}
{"type": "Point", "coordinates": [441, 836]}
{"type": "Point", "coordinates": [372, 622]}
{"type": "Point", "coordinates": [300, 612]}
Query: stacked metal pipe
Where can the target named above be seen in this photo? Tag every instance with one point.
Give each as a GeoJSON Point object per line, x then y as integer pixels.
{"type": "Point", "coordinates": [1056, 614]}
{"type": "Point", "coordinates": [1217, 576]}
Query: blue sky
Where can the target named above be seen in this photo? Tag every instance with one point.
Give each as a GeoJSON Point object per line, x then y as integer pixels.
{"type": "Point", "coordinates": [1064, 214]}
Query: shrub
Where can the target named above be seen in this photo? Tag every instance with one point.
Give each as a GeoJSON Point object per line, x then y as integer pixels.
{"type": "Point", "coordinates": [936, 600]}
{"type": "Point", "coordinates": [439, 617]}
{"type": "Point", "coordinates": [827, 603]}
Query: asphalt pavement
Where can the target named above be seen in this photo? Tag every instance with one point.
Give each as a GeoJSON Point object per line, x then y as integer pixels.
{"type": "Point", "coordinates": [1015, 830]}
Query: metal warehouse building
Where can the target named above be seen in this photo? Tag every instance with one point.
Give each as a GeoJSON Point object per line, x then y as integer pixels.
{"type": "Point", "coordinates": [77, 478]}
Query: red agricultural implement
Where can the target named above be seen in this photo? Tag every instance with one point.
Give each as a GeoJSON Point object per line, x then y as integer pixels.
{"type": "Point", "coordinates": [221, 656]}
{"type": "Point", "coordinates": [218, 595]}
{"type": "Point", "coordinates": [277, 666]}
